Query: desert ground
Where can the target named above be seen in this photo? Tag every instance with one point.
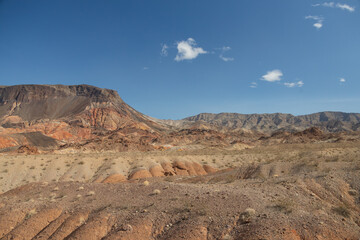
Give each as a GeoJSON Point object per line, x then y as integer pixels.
{"type": "Point", "coordinates": [283, 191]}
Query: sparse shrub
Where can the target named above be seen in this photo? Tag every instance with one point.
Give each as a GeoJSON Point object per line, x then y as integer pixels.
{"type": "Point", "coordinates": [201, 212]}
{"type": "Point", "coordinates": [30, 213]}
{"type": "Point", "coordinates": [332, 159]}
{"type": "Point", "coordinates": [227, 237]}
{"type": "Point", "coordinates": [146, 183]}
{"type": "Point", "coordinates": [82, 220]}
{"type": "Point", "coordinates": [156, 192]}
{"type": "Point", "coordinates": [284, 205]}
{"type": "Point", "coordinates": [342, 210]}
{"type": "Point", "coordinates": [247, 216]}
{"type": "Point", "coordinates": [81, 163]}
{"type": "Point", "coordinates": [32, 167]}
{"type": "Point", "coordinates": [91, 193]}
{"type": "Point", "coordinates": [352, 192]}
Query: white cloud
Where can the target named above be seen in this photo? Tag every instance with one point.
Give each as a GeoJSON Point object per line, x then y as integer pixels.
{"type": "Point", "coordinates": [253, 85]}
{"type": "Point", "coordinates": [146, 68]}
{"type": "Point", "coordinates": [187, 50]}
{"type": "Point", "coordinates": [272, 76]}
{"type": "Point", "coordinates": [337, 5]}
{"type": "Point", "coordinates": [345, 7]}
{"type": "Point", "coordinates": [325, 4]}
{"type": "Point", "coordinates": [319, 21]}
{"type": "Point", "coordinates": [328, 4]}
{"type": "Point", "coordinates": [318, 25]}
{"type": "Point", "coordinates": [221, 56]}
{"type": "Point", "coordinates": [294, 84]}
{"type": "Point", "coordinates": [342, 80]}
{"type": "Point", "coordinates": [226, 59]}
{"type": "Point", "coordinates": [316, 18]}
{"type": "Point", "coordinates": [164, 49]}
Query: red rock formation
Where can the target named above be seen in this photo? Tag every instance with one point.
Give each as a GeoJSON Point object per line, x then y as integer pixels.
{"type": "Point", "coordinates": [114, 178]}
{"type": "Point", "coordinates": [139, 174]}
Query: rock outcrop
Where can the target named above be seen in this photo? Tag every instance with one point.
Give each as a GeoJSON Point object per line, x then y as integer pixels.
{"type": "Point", "coordinates": [179, 168]}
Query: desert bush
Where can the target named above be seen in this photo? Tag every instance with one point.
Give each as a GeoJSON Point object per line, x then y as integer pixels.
{"type": "Point", "coordinates": [342, 210]}
{"type": "Point", "coordinates": [332, 159]}
{"type": "Point", "coordinates": [156, 192]}
{"type": "Point", "coordinates": [247, 216]}
{"type": "Point", "coordinates": [30, 213]}
{"type": "Point", "coordinates": [284, 205]}
{"type": "Point", "coordinates": [91, 193]}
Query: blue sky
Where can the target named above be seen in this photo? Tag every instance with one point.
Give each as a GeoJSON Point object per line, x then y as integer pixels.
{"type": "Point", "coordinates": [173, 59]}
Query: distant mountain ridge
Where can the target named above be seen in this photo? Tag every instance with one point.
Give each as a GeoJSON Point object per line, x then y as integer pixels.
{"type": "Point", "coordinates": [326, 121]}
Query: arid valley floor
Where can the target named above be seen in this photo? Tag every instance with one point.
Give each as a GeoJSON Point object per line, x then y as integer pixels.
{"type": "Point", "coordinates": [287, 191]}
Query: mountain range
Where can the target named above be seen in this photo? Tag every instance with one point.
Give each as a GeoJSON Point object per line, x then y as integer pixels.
{"type": "Point", "coordinates": [35, 117]}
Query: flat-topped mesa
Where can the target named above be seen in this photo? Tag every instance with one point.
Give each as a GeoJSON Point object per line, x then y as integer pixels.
{"type": "Point", "coordinates": [84, 105]}
{"type": "Point", "coordinates": [28, 93]}
{"type": "Point", "coordinates": [72, 115]}
{"type": "Point", "coordinates": [38, 102]}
